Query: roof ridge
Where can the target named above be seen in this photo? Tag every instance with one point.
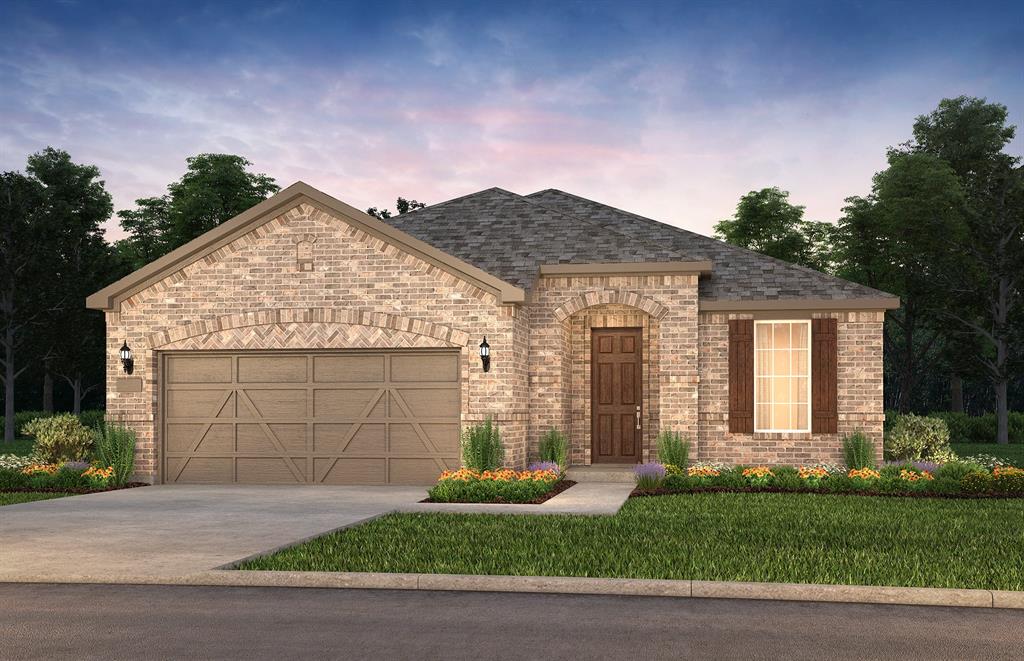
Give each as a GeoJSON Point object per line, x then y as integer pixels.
{"type": "Point", "coordinates": [457, 199]}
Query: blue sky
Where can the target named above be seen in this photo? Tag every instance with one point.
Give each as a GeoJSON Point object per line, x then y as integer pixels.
{"type": "Point", "coordinates": [668, 109]}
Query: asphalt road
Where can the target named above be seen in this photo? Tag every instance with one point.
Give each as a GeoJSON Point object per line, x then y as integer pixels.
{"type": "Point", "coordinates": [137, 622]}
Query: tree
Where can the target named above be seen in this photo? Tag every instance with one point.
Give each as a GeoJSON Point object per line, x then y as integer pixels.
{"type": "Point", "coordinates": [895, 240]}
{"type": "Point", "coordinates": [214, 188]}
{"type": "Point", "coordinates": [75, 204]}
{"type": "Point", "coordinates": [22, 269]}
{"type": "Point", "coordinates": [970, 135]}
{"type": "Point", "coordinates": [401, 204]}
{"type": "Point", "coordinates": [765, 221]}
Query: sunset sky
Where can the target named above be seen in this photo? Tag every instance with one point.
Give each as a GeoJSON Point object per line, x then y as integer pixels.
{"type": "Point", "coordinates": [665, 109]}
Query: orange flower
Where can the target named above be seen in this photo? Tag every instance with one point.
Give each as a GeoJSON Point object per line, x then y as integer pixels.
{"type": "Point", "coordinates": [864, 474]}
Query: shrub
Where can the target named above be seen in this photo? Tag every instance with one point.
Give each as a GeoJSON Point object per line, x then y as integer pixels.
{"type": "Point", "coordinates": [554, 448]}
{"type": "Point", "coordinates": [481, 447]}
{"type": "Point", "coordinates": [60, 438]}
{"type": "Point", "coordinates": [1008, 480]}
{"type": "Point", "coordinates": [955, 470]}
{"type": "Point", "coordinates": [115, 447]}
{"type": "Point", "coordinates": [505, 486]}
{"type": "Point", "coordinates": [858, 451]}
{"type": "Point", "coordinates": [976, 483]}
{"type": "Point", "coordinates": [93, 419]}
{"type": "Point", "coordinates": [758, 475]}
{"type": "Point", "coordinates": [649, 476]}
{"type": "Point", "coordinates": [90, 418]}
{"type": "Point", "coordinates": [917, 437]}
{"type": "Point", "coordinates": [11, 478]}
{"type": "Point", "coordinates": [673, 449]}
{"type": "Point", "coordinates": [99, 478]}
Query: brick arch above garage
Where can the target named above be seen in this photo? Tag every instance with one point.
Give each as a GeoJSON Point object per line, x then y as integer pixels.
{"type": "Point", "coordinates": [308, 327]}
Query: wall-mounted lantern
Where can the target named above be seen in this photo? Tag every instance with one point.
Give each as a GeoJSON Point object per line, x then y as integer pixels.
{"type": "Point", "coordinates": [127, 362]}
{"type": "Point", "coordinates": [485, 355]}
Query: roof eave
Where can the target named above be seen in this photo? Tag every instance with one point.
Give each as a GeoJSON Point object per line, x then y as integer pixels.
{"type": "Point", "coordinates": [877, 303]}
{"type": "Point", "coordinates": [626, 268]}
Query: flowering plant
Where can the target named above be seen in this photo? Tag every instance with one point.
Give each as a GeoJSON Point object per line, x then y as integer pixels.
{"type": "Point", "coordinates": [98, 477]}
{"type": "Point", "coordinates": [759, 475]}
{"type": "Point", "coordinates": [545, 466]}
{"type": "Point", "coordinates": [650, 475]}
{"type": "Point", "coordinates": [35, 469]}
{"type": "Point", "coordinates": [812, 474]}
{"type": "Point", "coordinates": [703, 471]}
{"type": "Point", "coordinates": [914, 476]}
{"type": "Point", "coordinates": [503, 485]}
{"type": "Point", "coordinates": [864, 474]}
{"type": "Point", "coordinates": [500, 475]}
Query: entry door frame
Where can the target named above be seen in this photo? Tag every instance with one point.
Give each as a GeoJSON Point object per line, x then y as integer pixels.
{"type": "Point", "coordinates": [636, 413]}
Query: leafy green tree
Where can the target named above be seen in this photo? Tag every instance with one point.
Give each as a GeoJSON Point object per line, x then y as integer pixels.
{"type": "Point", "coordinates": [214, 188]}
{"type": "Point", "coordinates": [986, 276]}
{"type": "Point", "coordinates": [895, 240]}
{"type": "Point", "coordinates": [75, 204]}
{"type": "Point", "coordinates": [402, 205]}
{"type": "Point", "coordinates": [766, 221]}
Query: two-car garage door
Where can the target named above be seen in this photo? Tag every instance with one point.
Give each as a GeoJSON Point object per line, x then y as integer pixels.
{"type": "Point", "coordinates": [282, 417]}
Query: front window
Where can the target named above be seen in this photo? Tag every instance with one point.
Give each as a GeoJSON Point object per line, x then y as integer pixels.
{"type": "Point", "coordinates": [782, 378]}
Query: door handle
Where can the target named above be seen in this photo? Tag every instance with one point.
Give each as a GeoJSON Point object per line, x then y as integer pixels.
{"type": "Point", "coordinates": [638, 417]}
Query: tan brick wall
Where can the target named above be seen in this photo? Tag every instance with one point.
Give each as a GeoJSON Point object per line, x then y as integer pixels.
{"type": "Point", "coordinates": [564, 309]}
{"type": "Point", "coordinates": [859, 389]}
{"type": "Point", "coordinates": [361, 292]}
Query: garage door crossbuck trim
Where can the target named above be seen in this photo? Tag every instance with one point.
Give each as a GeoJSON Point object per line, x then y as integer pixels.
{"type": "Point", "coordinates": [325, 417]}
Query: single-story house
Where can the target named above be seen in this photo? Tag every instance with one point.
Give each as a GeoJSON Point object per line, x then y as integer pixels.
{"type": "Point", "coordinates": [306, 341]}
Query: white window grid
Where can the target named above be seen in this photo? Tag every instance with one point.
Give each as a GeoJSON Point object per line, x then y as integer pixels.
{"type": "Point", "coordinates": [757, 356]}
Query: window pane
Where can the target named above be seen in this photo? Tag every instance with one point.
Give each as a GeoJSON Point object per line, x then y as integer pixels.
{"type": "Point", "coordinates": [764, 416]}
{"type": "Point", "coordinates": [764, 336]}
{"type": "Point", "coordinates": [800, 416]}
{"type": "Point", "coordinates": [800, 362]}
{"type": "Point", "coordinates": [780, 363]}
{"type": "Point", "coordinates": [801, 389]}
{"type": "Point", "coordinates": [762, 363]}
{"type": "Point", "coordinates": [799, 336]}
{"type": "Point", "coordinates": [781, 338]}
{"type": "Point", "coordinates": [780, 416]}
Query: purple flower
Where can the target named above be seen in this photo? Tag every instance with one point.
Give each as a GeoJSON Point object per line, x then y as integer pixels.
{"type": "Point", "coordinates": [920, 464]}
{"type": "Point", "coordinates": [76, 465]}
{"type": "Point", "coordinates": [652, 469]}
{"type": "Point", "coordinates": [544, 466]}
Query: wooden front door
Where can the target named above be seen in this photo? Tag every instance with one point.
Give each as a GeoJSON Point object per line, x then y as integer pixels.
{"type": "Point", "coordinates": [616, 395]}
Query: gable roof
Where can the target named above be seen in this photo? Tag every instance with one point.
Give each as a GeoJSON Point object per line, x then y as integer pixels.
{"type": "Point", "coordinates": [111, 296]}
{"type": "Point", "coordinates": [738, 275]}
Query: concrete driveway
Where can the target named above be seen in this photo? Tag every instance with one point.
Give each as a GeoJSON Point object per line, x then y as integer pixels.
{"type": "Point", "coordinates": [175, 530]}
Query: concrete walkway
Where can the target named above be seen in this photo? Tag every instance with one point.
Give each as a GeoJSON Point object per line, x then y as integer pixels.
{"type": "Point", "coordinates": [173, 530]}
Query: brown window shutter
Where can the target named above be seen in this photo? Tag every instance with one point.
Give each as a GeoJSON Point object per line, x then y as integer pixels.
{"type": "Point", "coordinates": [824, 376]}
{"type": "Point", "coordinates": [741, 376]}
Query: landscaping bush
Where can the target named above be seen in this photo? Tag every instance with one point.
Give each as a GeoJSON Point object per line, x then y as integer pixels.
{"type": "Point", "coordinates": [482, 449]}
{"type": "Point", "coordinates": [60, 438]}
{"type": "Point", "coordinates": [858, 451]}
{"type": "Point", "coordinates": [554, 448]}
{"type": "Point", "coordinates": [917, 437]}
{"type": "Point", "coordinates": [92, 418]}
{"type": "Point", "coordinates": [956, 470]}
{"type": "Point", "coordinates": [501, 486]}
{"type": "Point", "coordinates": [114, 446]}
{"type": "Point", "coordinates": [965, 428]}
{"type": "Point", "coordinates": [673, 449]}
{"type": "Point", "coordinates": [1008, 480]}
{"type": "Point", "coordinates": [12, 478]}
{"type": "Point", "coordinates": [649, 476]}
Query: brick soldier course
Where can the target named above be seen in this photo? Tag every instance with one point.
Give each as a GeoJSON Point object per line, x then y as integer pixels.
{"type": "Point", "coordinates": [305, 272]}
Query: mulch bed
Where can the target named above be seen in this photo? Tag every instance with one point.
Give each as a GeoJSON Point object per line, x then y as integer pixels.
{"type": "Point", "coordinates": [642, 493]}
{"type": "Point", "coordinates": [559, 487]}
{"type": "Point", "coordinates": [79, 491]}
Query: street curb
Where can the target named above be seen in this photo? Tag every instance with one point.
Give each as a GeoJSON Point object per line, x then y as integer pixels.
{"type": "Point", "coordinates": [852, 594]}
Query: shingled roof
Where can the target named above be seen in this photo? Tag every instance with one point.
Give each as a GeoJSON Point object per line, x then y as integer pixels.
{"type": "Point", "coordinates": [510, 236]}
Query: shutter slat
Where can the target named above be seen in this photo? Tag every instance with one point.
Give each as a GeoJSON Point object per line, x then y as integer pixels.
{"type": "Point", "coordinates": [741, 376]}
{"type": "Point", "coordinates": [824, 376]}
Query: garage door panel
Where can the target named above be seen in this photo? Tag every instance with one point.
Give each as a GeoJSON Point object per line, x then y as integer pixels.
{"type": "Point", "coordinates": [272, 369]}
{"type": "Point", "coordinates": [272, 404]}
{"type": "Point", "coordinates": [271, 470]}
{"type": "Point", "coordinates": [201, 470]}
{"type": "Point", "coordinates": [198, 369]}
{"type": "Point", "coordinates": [429, 403]}
{"type": "Point", "coordinates": [351, 470]}
{"type": "Point", "coordinates": [199, 403]}
{"type": "Point", "coordinates": [266, 417]}
{"type": "Point", "coordinates": [356, 368]}
{"type": "Point", "coordinates": [439, 367]}
{"type": "Point", "coordinates": [347, 403]}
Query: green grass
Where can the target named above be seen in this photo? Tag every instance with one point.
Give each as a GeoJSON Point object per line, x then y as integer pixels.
{"type": "Point", "coordinates": [1013, 452]}
{"type": "Point", "coordinates": [802, 538]}
{"type": "Point", "coordinates": [19, 446]}
{"type": "Point", "coordinates": [8, 498]}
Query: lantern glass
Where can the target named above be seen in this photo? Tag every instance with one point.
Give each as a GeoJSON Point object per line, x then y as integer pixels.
{"type": "Point", "coordinates": [485, 349]}
{"type": "Point", "coordinates": [126, 353]}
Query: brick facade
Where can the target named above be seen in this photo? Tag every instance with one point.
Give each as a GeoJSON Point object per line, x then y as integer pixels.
{"type": "Point", "coordinates": [308, 280]}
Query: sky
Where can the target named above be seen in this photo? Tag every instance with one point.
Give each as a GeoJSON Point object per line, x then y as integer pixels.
{"type": "Point", "coordinates": [668, 109]}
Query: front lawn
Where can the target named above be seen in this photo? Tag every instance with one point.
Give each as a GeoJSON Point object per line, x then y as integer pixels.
{"type": "Point", "coordinates": [28, 496]}
{"type": "Point", "coordinates": [803, 538]}
{"type": "Point", "coordinates": [1012, 452]}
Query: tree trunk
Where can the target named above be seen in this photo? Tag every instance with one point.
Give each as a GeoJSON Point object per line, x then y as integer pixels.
{"type": "Point", "coordinates": [9, 377]}
{"type": "Point", "coordinates": [76, 386]}
{"type": "Point", "coordinates": [956, 394]}
{"type": "Point", "coordinates": [47, 387]}
{"type": "Point", "coordinates": [1002, 414]}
